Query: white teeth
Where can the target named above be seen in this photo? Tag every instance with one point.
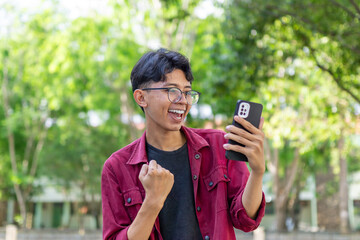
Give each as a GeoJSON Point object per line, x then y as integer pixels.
{"type": "Point", "coordinates": [177, 111]}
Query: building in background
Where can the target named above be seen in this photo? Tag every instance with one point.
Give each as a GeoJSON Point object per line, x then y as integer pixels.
{"type": "Point", "coordinates": [56, 208]}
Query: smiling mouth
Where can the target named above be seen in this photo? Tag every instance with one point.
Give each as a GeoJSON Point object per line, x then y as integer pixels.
{"type": "Point", "coordinates": [177, 114]}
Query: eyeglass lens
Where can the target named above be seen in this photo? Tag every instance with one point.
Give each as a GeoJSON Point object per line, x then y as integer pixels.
{"type": "Point", "coordinates": [175, 96]}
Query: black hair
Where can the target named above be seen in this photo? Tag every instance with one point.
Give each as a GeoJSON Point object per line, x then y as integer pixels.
{"type": "Point", "coordinates": [154, 65]}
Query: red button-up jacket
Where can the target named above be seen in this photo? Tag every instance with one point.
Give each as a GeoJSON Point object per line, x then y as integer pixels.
{"type": "Point", "coordinates": [218, 187]}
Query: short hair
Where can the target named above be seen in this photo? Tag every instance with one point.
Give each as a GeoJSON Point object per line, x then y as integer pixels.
{"type": "Point", "coordinates": [154, 65]}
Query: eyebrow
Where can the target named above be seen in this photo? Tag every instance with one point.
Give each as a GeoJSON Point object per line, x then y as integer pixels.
{"type": "Point", "coordinates": [174, 84]}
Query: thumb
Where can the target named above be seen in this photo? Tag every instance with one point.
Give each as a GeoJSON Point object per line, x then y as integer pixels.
{"type": "Point", "coordinates": [143, 171]}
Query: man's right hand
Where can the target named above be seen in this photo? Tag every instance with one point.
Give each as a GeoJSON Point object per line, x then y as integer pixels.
{"type": "Point", "coordinates": [157, 182]}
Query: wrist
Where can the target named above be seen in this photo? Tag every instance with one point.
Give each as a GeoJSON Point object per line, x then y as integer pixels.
{"type": "Point", "coordinates": [153, 204]}
{"type": "Point", "coordinates": [257, 174]}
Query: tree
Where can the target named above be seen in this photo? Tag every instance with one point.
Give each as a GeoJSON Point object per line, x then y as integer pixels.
{"type": "Point", "coordinates": [266, 40]}
{"type": "Point", "coordinates": [25, 117]}
{"type": "Point", "coordinates": [68, 73]}
{"type": "Point", "coordinates": [93, 59]}
{"type": "Point", "coordinates": [330, 29]}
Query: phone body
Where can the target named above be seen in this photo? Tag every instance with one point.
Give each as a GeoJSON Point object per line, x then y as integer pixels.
{"type": "Point", "coordinates": [251, 112]}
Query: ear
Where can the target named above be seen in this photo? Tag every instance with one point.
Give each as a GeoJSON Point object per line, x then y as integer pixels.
{"type": "Point", "coordinates": [139, 97]}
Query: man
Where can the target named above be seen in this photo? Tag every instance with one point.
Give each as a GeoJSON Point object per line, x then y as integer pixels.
{"type": "Point", "coordinates": [175, 182]}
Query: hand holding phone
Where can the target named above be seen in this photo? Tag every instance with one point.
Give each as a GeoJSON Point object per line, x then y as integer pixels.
{"type": "Point", "coordinates": [251, 112]}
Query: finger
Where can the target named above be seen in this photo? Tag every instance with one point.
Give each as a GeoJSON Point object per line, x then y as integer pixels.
{"type": "Point", "coordinates": [239, 139]}
{"type": "Point", "coordinates": [262, 120]}
{"type": "Point", "coordinates": [236, 148]}
{"type": "Point", "coordinates": [152, 165]}
{"type": "Point", "coordinates": [143, 171]}
{"type": "Point", "coordinates": [159, 170]}
{"type": "Point", "coordinates": [247, 125]}
{"type": "Point", "coordinates": [158, 166]}
{"type": "Point", "coordinates": [241, 132]}
{"type": "Point", "coordinates": [167, 172]}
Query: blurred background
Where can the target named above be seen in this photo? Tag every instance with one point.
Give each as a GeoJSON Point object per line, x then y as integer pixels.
{"type": "Point", "coordinates": [66, 101]}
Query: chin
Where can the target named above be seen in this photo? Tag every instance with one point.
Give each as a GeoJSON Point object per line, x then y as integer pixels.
{"type": "Point", "coordinates": [176, 127]}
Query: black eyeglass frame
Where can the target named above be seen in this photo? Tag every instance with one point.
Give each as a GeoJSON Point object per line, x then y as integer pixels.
{"type": "Point", "coordinates": [168, 90]}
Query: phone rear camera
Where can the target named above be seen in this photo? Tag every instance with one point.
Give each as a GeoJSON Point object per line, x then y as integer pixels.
{"type": "Point", "coordinates": [244, 110]}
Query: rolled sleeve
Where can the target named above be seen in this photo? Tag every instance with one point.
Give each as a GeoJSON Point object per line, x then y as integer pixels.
{"type": "Point", "coordinates": [240, 218]}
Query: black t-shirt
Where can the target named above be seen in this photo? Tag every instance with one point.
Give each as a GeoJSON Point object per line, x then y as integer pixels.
{"type": "Point", "coordinates": [178, 217]}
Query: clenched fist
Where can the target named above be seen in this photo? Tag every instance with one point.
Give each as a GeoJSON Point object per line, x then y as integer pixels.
{"type": "Point", "coordinates": [157, 182]}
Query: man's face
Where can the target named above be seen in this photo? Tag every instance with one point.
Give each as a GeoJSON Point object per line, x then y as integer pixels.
{"type": "Point", "coordinates": [161, 114]}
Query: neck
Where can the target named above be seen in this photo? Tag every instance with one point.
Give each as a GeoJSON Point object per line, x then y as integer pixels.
{"type": "Point", "coordinates": [166, 141]}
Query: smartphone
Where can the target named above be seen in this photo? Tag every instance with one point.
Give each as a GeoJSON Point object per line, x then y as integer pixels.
{"type": "Point", "coordinates": [251, 112]}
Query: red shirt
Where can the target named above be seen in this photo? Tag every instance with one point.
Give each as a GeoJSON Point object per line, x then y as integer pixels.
{"type": "Point", "coordinates": [218, 187]}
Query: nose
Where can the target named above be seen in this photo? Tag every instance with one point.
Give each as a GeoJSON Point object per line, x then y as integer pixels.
{"type": "Point", "coordinates": [183, 98]}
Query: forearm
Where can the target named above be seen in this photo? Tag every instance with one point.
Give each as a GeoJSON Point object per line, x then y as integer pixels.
{"type": "Point", "coordinates": [144, 221]}
{"type": "Point", "coordinates": [252, 196]}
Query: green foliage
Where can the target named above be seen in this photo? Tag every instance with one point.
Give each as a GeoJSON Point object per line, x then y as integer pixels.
{"type": "Point", "coordinates": [5, 181]}
{"type": "Point", "coordinates": [329, 29]}
{"type": "Point", "coordinates": [298, 58]}
{"type": "Point", "coordinates": [279, 53]}
{"type": "Point", "coordinates": [77, 157]}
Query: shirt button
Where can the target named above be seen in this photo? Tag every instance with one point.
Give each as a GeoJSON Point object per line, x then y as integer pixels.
{"type": "Point", "coordinates": [207, 237]}
{"type": "Point", "coordinates": [226, 177]}
{"type": "Point", "coordinates": [128, 200]}
{"type": "Point", "coordinates": [197, 156]}
{"type": "Point", "coordinates": [198, 209]}
{"type": "Point", "coordinates": [211, 183]}
{"type": "Point", "coordinates": [195, 177]}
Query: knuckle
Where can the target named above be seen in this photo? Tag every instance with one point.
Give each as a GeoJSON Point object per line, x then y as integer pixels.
{"type": "Point", "coordinates": [259, 139]}
{"type": "Point", "coordinates": [236, 138]}
{"type": "Point", "coordinates": [238, 148]}
{"type": "Point", "coordinates": [241, 140]}
{"type": "Point", "coordinates": [262, 134]}
{"type": "Point", "coordinates": [230, 136]}
{"type": "Point", "coordinates": [241, 132]}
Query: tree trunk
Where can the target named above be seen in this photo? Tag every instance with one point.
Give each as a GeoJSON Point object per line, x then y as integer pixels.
{"type": "Point", "coordinates": [280, 204]}
{"type": "Point", "coordinates": [281, 213]}
{"type": "Point", "coordinates": [343, 188]}
{"type": "Point", "coordinates": [327, 201]}
{"type": "Point", "coordinates": [294, 202]}
{"type": "Point", "coordinates": [282, 187]}
{"type": "Point", "coordinates": [11, 141]}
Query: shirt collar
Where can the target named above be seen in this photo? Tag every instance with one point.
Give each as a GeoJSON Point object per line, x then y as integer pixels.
{"type": "Point", "coordinates": [139, 151]}
{"type": "Point", "coordinates": [193, 139]}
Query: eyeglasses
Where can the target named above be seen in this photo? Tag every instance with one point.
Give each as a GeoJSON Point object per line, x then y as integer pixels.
{"type": "Point", "coordinates": [175, 94]}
